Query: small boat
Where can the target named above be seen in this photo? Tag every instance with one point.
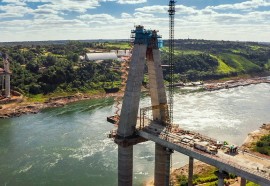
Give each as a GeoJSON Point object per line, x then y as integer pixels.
{"type": "Point", "coordinates": [113, 119]}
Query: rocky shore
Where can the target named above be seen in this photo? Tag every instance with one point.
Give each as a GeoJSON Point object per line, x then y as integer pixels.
{"type": "Point", "coordinates": [16, 109]}
{"type": "Point", "coordinates": [234, 83]}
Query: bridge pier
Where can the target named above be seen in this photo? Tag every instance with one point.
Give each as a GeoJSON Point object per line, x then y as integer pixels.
{"type": "Point", "coordinates": [221, 177]}
{"type": "Point", "coordinates": [243, 182]}
{"type": "Point", "coordinates": [162, 165]}
{"type": "Point", "coordinates": [190, 170]}
{"type": "Point", "coordinates": [125, 165]}
{"type": "Point", "coordinates": [7, 85]}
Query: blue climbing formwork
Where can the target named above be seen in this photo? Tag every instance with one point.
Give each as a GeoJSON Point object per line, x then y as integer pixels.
{"type": "Point", "coordinates": [148, 37]}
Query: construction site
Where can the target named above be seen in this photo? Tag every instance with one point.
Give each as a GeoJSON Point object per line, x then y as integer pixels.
{"type": "Point", "coordinates": [134, 125]}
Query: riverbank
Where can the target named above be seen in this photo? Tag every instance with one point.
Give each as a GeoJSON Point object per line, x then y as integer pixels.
{"type": "Point", "coordinates": [210, 86]}
{"type": "Point", "coordinates": [16, 109]}
{"type": "Point", "coordinates": [253, 137]}
{"type": "Point", "coordinates": [23, 106]}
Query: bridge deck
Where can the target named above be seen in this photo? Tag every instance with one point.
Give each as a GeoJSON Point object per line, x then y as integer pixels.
{"type": "Point", "coordinates": [244, 164]}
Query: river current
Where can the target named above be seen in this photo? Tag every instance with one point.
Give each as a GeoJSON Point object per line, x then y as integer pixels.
{"type": "Point", "coordinates": [68, 145]}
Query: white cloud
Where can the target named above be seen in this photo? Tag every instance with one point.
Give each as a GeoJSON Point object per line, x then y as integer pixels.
{"type": "Point", "coordinates": [251, 4]}
{"type": "Point", "coordinates": [180, 9]}
{"type": "Point", "coordinates": [101, 19]}
{"type": "Point", "coordinates": [14, 11]}
{"type": "Point", "coordinates": [70, 5]}
{"type": "Point", "coordinates": [143, 15]}
{"type": "Point", "coordinates": [49, 20]}
{"type": "Point", "coordinates": [125, 15]}
{"type": "Point", "coordinates": [15, 2]}
{"type": "Point", "coordinates": [131, 1]}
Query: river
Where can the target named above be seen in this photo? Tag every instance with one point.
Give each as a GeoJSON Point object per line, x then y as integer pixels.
{"type": "Point", "coordinates": [68, 145]}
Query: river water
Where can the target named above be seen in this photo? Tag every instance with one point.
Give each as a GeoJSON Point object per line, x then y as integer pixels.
{"type": "Point", "coordinates": [68, 146]}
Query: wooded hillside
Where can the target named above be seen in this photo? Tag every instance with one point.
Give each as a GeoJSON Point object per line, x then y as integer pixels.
{"type": "Point", "coordinates": [43, 69]}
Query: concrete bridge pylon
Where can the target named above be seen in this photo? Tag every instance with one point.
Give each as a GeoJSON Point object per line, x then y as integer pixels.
{"type": "Point", "coordinates": [146, 49]}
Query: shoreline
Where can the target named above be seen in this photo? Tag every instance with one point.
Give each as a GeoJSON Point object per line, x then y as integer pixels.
{"type": "Point", "coordinates": [21, 107]}
{"type": "Point", "coordinates": [16, 109]}
{"type": "Point", "coordinates": [233, 83]}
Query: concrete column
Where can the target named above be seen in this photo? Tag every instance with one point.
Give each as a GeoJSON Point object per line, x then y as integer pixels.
{"type": "Point", "coordinates": [2, 81]}
{"type": "Point", "coordinates": [158, 96]}
{"type": "Point", "coordinates": [7, 85]}
{"type": "Point", "coordinates": [129, 112]}
{"type": "Point", "coordinates": [125, 165]}
{"type": "Point", "coordinates": [190, 171]}
{"type": "Point", "coordinates": [162, 166]}
{"type": "Point", "coordinates": [156, 84]}
{"type": "Point", "coordinates": [130, 106]}
{"type": "Point", "coordinates": [243, 182]}
{"type": "Point", "coordinates": [220, 178]}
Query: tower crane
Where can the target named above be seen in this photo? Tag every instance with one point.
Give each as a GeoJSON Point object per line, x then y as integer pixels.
{"type": "Point", "coordinates": [171, 12]}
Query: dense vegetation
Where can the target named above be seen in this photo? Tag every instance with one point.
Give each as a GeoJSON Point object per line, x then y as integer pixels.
{"type": "Point", "coordinates": [46, 68]}
{"type": "Point", "coordinates": [208, 178]}
{"type": "Point", "coordinates": [56, 68]}
{"type": "Point", "coordinates": [204, 60]}
{"type": "Point", "coordinates": [263, 145]}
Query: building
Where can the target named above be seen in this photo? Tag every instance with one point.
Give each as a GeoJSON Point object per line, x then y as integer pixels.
{"type": "Point", "coordinates": [100, 56]}
{"type": "Point", "coordinates": [121, 53]}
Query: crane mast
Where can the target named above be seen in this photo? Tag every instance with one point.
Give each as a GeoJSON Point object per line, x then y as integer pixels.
{"type": "Point", "coordinates": [171, 57]}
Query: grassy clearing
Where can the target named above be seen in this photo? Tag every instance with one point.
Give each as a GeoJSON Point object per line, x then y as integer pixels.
{"type": "Point", "coordinates": [121, 46]}
{"type": "Point", "coordinates": [206, 177]}
{"type": "Point", "coordinates": [183, 52]}
{"type": "Point", "coordinates": [223, 68]}
{"type": "Point", "coordinates": [238, 62]}
{"type": "Point", "coordinates": [251, 184]}
{"type": "Point", "coordinates": [41, 98]}
{"type": "Point", "coordinates": [254, 47]}
{"type": "Point", "coordinates": [236, 51]}
{"type": "Point", "coordinates": [267, 65]}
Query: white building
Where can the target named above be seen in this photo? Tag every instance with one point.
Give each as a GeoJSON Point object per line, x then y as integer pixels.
{"type": "Point", "coordinates": [100, 56]}
{"type": "Point", "coordinates": [121, 53]}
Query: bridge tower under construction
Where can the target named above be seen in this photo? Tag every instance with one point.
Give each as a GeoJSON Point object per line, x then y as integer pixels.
{"type": "Point", "coordinates": [145, 51]}
{"type": "Point", "coordinates": [5, 76]}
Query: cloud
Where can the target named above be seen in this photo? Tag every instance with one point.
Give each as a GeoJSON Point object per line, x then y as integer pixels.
{"type": "Point", "coordinates": [143, 15]}
{"type": "Point", "coordinates": [251, 4]}
{"type": "Point", "coordinates": [15, 2]}
{"type": "Point", "coordinates": [125, 15]}
{"type": "Point", "coordinates": [131, 1]}
{"type": "Point", "coordinates": [14, 11]}
{"type": "Point", "coordinates": [70, 5]}
{"type": "Point", "coordinates": [103, 19]}
{"type": "Point", "coordinates": [55, 19]}
{"type": "Point", "coordinates": [180, 9]}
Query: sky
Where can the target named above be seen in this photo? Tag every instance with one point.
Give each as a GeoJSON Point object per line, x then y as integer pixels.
{"type": "Point", "coordinates": [42, 20]}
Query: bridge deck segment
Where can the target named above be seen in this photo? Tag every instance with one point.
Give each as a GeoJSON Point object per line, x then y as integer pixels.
{"type": "Point", "coordinates": [243, 164]}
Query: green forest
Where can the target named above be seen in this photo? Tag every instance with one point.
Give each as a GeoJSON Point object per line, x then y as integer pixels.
{"type": "Point", "coordinates": [206, 60]}
{"type": "Point", "coordinates": [263, 145]}
{"type": "Point", "coordinates": [56, 67]}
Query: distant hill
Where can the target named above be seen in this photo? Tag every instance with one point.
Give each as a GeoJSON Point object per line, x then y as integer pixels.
{"type": "Point", "coordinates": [203, 59]}
{"type": "Point", "coordinates": [57, 42]}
